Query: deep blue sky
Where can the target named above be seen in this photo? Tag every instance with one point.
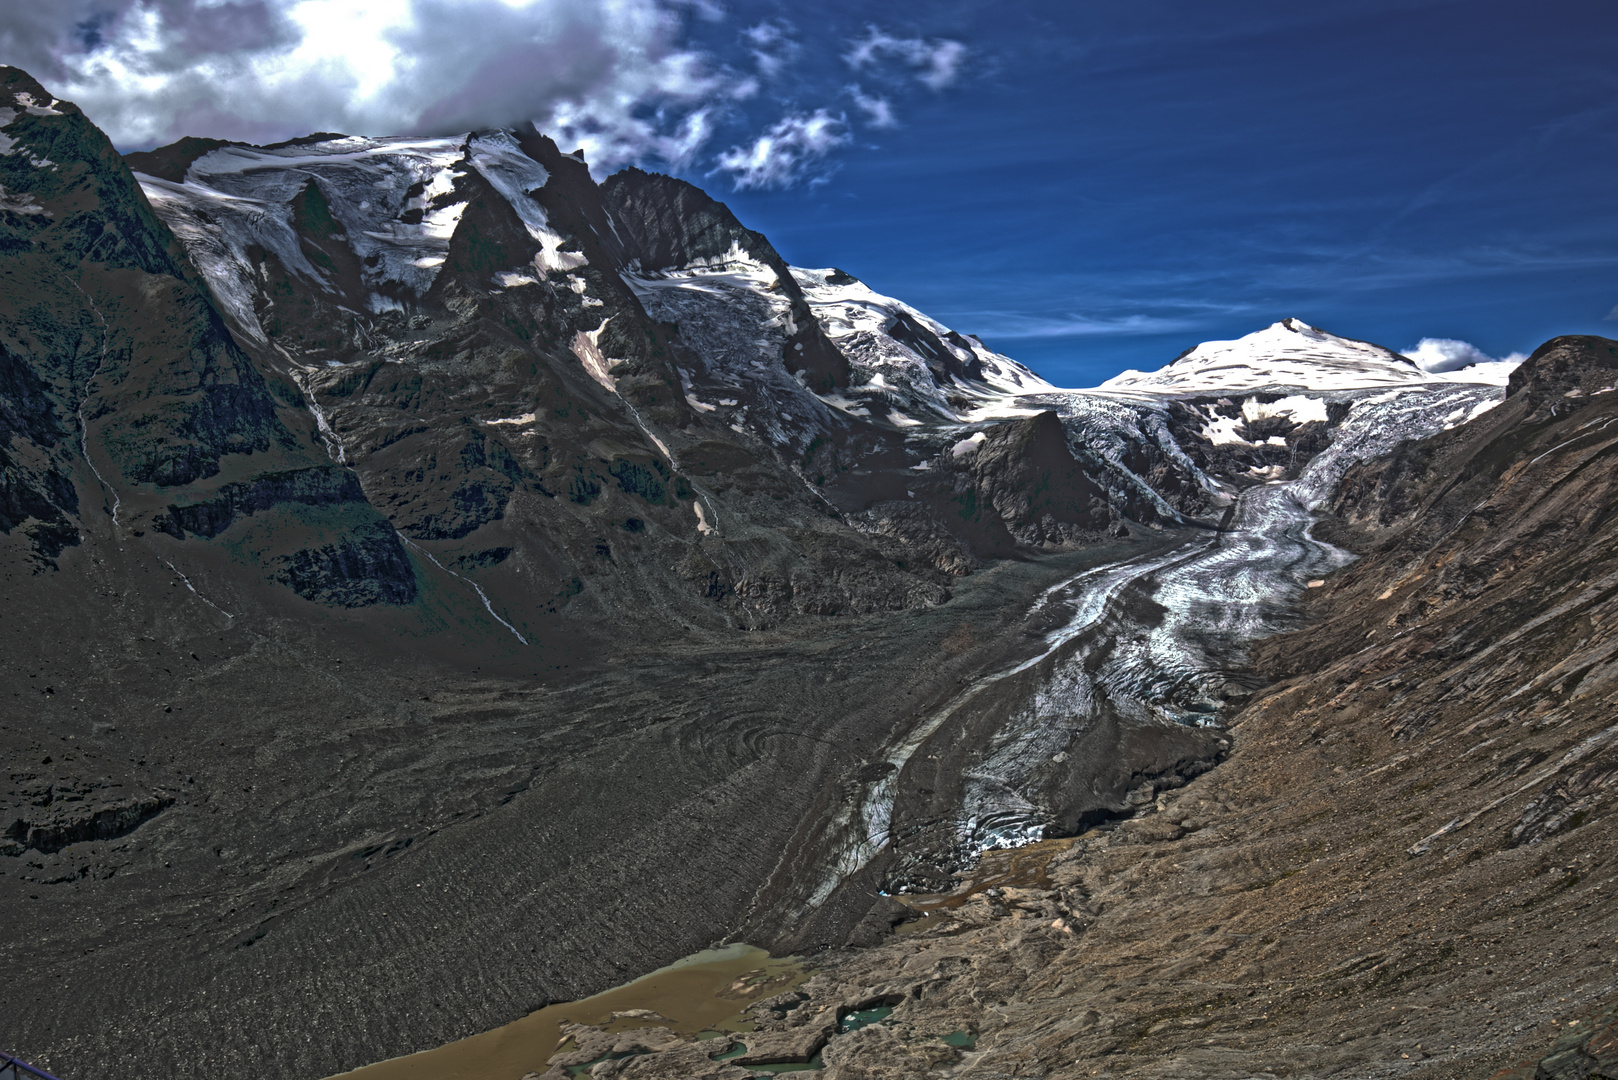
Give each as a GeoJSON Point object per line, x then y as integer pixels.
{"type": "Point", "coordinates": [1111, 183]}
{"type": "Point", "coordinates": [1087, 185]}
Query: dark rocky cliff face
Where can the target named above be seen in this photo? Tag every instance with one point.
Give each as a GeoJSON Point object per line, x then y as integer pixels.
{"type": "Point", "coordinates": [189, 395]}
{"type": "Point", "coordinates": [1572, 367]}
{"type": "Point", "coordinates": [672, 224]}
{"type": "Point", "coordinates": [121, 378]}
{"type": "Point", "coordinates": [37, 497]}
{"type": "Point", "coordinates": [1023, 486]}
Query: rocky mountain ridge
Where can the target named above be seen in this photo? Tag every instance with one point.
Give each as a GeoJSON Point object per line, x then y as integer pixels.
{"type": "Point", "coordinates": [496, 343]}
{"type": "Point", "coordinates": [856, 405]}
{"type": "Point", "coordinates": [116, 351]}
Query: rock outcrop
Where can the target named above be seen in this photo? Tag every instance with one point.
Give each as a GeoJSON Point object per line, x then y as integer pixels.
{"type": "Point", "coordinates": [118, 375]}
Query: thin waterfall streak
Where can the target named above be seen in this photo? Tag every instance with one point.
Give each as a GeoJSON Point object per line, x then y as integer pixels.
{"type": "Point", "coordinates": [187, 583]}
{"type": "Point", "coordinates": [84, 449]}
{"type": "Point", "coordinates": [332, 441]}
{"type": "Point", "coordinates": [475, 586]}
{"type": "Point", "coordinates": [674, 464]}
{"type": "Point", "coordinates": [84, 429]}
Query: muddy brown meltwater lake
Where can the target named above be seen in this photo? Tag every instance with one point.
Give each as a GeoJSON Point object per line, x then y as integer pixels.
{"type": "Point", "coordinates": [704, 995]}
{"type": "Point", "coordinates": [705, 992]}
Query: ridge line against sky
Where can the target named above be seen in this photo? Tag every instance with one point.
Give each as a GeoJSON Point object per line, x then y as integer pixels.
{"type": "Point", "coordinates": [1088, 188]}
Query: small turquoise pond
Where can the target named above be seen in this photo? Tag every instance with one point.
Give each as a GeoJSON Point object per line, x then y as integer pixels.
{"type": "Point", "coordinates": [859, 1018]}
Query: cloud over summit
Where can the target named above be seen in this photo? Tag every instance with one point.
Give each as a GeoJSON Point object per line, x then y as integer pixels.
{"type": "Point", "coordinates": [623, 79]}
{"type": "Point", "coordinates": [1439, 355]}
{"type": "Point", "coordinates": [149, 71]}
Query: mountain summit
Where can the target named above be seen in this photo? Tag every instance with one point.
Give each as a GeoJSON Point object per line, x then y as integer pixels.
{"type": "Point", "coordinates": [1289, 353]}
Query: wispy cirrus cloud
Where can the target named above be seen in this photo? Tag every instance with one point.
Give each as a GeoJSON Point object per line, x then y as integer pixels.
{"type": "Point", "coordinates": [795, 148]}
{"type": "Point", "coordinates": [1020, 326]}
{"type": "Point", "coordinates": [707, 10]}
{"type": "Point", "coordinates": [786, 152]}
{"type": "Point", "coordinates": [772, 45]}
{"type": "Point", "coordinates": [878, 110]}
{"type": "Point", "coordinates": [936, 63]}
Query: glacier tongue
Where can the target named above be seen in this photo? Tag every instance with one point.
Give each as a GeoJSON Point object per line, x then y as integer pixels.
{"type": "Point", "coordinates": [1208, 606]}
{"type": "Point", "coordinates": [1150, 642]}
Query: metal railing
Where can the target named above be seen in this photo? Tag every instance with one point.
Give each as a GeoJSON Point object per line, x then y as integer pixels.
{"type": "Point", "coordinates": [17, 1069]}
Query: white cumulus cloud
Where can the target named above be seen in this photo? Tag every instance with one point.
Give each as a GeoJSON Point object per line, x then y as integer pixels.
{"type": "Point", "coordinates": [878, 110]}
{"type": "Point", "coordinates": [612, 76]}
{"type": "Point", "coordinates": [623, 80]}
{"type": "Point", "coordinates": [787, 151]}
{"type": "Point", "coordinates": [1438, 355]}
{"type": "Point", "coordinates": [936, 63]}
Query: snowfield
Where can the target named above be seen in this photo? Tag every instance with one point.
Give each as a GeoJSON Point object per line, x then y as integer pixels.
{"type": "Point", "coordinates": [1286, 354]}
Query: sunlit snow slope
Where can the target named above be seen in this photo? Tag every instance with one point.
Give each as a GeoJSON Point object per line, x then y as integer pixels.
{"type": "Point", "coordinates": [1290, 353]}
{"type": "Point", "coordinates": [394, 203]}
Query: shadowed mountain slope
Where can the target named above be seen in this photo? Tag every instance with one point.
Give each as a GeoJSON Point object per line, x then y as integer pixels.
{"type": "Point", "coordinates": [124, 384]}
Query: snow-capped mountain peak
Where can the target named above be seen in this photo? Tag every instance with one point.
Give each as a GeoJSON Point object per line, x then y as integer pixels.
{"type": "Point", "coordinates": [889, 341]}
{"type": "Point", "coordinates": [884, 413]}
{"type": "Point", "coordinates": [1289, 353]}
